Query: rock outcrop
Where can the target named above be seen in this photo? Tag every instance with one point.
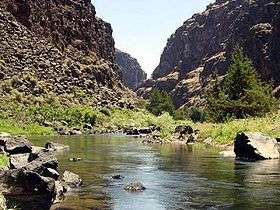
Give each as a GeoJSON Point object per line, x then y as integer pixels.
{"type": "Point", "coordinates": [58, 47]}
{"type": "Point", "coordinates": [132, 73]}
{"type": "Point", "coordinates": [32, 179]}
{"type": "Point", "coordinates": [255, 146]}
{"type": "Point", "coordinates": [205, 42]}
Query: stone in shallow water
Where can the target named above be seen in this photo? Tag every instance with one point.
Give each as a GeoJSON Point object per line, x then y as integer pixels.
{"type": "Point", "coordinates": [56, 146]}
{"type": "Point", "coordinates": [135, 187]}
{"type": "Point", "coordinates": [117, 177]}
{"type": "Point", "coordinates": [72, 180]}
{"type": "Point", "coordinates": [255, 146]}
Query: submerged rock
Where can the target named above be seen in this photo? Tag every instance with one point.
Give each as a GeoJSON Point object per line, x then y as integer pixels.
{"type": "Point", "coordinates": [56, 147]}
{"type": "Point", "coordinates": [255, 146]}
{"type": "Point", "coordinates": [71, 180]}
{"type": "Point", "coordinates": [228, 154]}
{"type": "Point", "coordinates": [118, 177]}
{"type": "Point", "coordinates": [75, 159]}
{"type": "Point", "coordinates": [135, 187]}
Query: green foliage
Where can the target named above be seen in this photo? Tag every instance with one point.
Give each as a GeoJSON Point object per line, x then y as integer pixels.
{"type": "Point", "coordinates": [124, 118]}
{"type": "Point", "coordinates": [105, 111]}
{"type": "Point", "coordinates": [4, 161]}
{"type": "Point", "coordinates": [195, 114]}
{"type": "Point", "coordinates": [160, 102]}
{"type": "Point", "coordinates": [241, 93]}
{"type": "Point", "coordinates": [224, 133]}
{"type": "Point", "coordinates": [28, 129]}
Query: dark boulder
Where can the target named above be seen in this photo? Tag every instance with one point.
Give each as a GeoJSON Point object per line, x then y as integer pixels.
{"type": "Point", "coordinates": [140, 131]}
{"type": "Point", "coordinates": [132, 132]}
{"type": "Point", "coordinates": [27, 188]}
{"type": "Point", "coordinates": [15, 145]}
{"type": "Point", "coordinates": [75, 132]}
{"type": "Point", "coordinates": [255, 146]}
{"type": "Point", "coordinates": [184, 129]}
{"type": "Point", "coordinates": [119, 177]}
{"type": "Point", "coordinates": [145, 130]}
{"type": "Point", "coordinates": [184, 134]}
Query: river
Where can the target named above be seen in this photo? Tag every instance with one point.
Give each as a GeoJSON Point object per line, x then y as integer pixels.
{"type": "Point", "coordinates": [176, 177]}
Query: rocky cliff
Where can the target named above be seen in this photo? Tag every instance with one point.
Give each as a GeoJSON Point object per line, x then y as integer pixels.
{"type": "Point", "coordinates": [203, 46]}
{"type": "Point", "coordinates": [59, 47]}
{"type": "Point", "coordinates": [132, 73]}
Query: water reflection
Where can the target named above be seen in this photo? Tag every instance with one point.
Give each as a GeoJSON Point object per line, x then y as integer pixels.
{"type": "Point", "coordinates": [176, 177]}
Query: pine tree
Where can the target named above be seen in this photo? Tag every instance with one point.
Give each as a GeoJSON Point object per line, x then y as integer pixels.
{"type": "Point", "coordinates": [241, 93]}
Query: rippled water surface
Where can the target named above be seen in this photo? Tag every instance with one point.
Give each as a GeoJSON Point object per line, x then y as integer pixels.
{"type": "Point", "coordinates": [176, 177]}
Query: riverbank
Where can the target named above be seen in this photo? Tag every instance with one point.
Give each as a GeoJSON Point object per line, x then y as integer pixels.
{"type": "Point", "coordinates": [46, 120]}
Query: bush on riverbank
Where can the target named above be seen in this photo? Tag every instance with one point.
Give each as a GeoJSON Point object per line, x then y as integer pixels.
{"type": "Point", "coordinates": [160, 102]}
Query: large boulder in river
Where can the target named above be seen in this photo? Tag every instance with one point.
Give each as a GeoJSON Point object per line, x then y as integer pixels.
{"type": "Point", "coordinates": [255, 146]}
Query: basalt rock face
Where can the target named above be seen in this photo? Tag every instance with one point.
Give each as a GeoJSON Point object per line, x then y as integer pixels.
{"type": "Point", "coordinates": [66, 23]}
{"type": "Point", "coordinates": [59, 47]}
{"type": "Point", "coordinates": [205, 42]}
{"type": "Point", "coordinates": [132, 73]}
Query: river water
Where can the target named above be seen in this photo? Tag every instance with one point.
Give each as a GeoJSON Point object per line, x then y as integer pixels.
{"type": "Point", "coordinates": [176, 177]}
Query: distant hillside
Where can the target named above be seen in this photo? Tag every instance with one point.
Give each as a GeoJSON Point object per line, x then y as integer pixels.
{"type": "Point", "coordinates": [132, 73]}
{"type": "Point", "coordinates": [203, 46]}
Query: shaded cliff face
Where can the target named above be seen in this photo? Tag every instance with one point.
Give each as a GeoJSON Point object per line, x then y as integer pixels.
{"type": "Point", "coordinates": [66, 23]}
{"type": "Point", "coordinates": [132, 73]}
{"type": "Point", "coordinates": [59, 47]}
{"type": "Point", "coordinates": [203, 45]}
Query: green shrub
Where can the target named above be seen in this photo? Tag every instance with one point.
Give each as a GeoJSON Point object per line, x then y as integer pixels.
{"type": "Point", "coordinates": [160, 102]}
{"type": "Point", "coordinates": [193, 113]}
{"type": "Point", "coordinates": [105, 111]}
{"type": "Point", "coordinates": [90, 118]}
{"type": "Point", "coordinates": [197, 115]}
{"type": "Point", "coordinates": [241, 93]}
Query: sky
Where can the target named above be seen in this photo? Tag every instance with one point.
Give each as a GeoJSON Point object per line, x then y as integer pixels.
{"type": "Point", "coordinates": [142, 27]}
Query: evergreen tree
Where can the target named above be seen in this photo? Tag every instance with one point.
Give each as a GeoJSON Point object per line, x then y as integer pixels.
{"type": "Point", "coordinates": [160, 102]}
{"type": "Point", "coordinates": [241, 93]}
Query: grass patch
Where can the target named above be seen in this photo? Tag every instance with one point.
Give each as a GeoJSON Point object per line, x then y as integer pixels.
{"type": "Point", "coordinates": [224, 133]}
{"type": "Point", "coordinates": [4, 161]}
{"type": "Point", "coordinates": [15, 128]}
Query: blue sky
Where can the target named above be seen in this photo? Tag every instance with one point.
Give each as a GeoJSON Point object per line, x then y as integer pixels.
{"type": "Point", "coordinates": [142, 27]}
